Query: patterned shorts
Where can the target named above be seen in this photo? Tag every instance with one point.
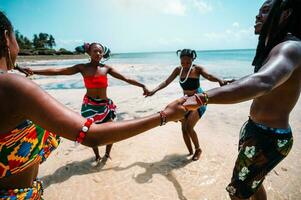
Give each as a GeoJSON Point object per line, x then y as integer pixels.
{"type": "Point", "coordinates": [260, 149]}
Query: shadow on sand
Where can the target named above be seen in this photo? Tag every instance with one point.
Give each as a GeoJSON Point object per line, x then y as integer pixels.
{"type": "Point", "coordinates": [163, 167]}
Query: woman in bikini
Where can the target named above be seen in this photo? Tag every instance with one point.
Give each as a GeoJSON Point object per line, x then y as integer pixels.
{"type": "Point", "coordinates": [189, 79]}
{"type": "Point", "coordinates": [96, 103]}
{"type": "Point", "coordinates": [30, 116]}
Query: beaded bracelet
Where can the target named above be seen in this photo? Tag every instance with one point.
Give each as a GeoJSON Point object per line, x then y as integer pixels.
{"type": "Point", "coordinates": [206, 98]}
{"type": "Point", "coordinates": [82, 134]}
{"type": "Point", "coordinates": [162, 118]}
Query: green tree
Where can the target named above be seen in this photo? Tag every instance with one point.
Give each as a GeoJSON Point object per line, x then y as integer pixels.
{"type": "Point", "coordinates": [51, 42]}
{"type": "Point", "coordinates": [24, 42]}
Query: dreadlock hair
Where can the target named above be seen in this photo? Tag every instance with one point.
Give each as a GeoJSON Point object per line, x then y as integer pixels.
{"type": "Point", "coordinates": [187, 52]}
{"type": "Point", "coordinates": [275, 33]}
{"type": "Point", "coordinates": [5, 25]}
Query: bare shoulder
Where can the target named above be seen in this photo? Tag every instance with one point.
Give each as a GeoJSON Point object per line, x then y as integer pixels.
{"type": "Point", "coordinates": [198, 67]}
{"type": "Point", "coordinates": [290, 49]}
{"type": "Point", "coordinates": [177, 70]}
{"type": "Point", "coordinates": [80, 66]}
{"type": "Point", "coordinates": [107, 67]}
{"type": "Point", "coordinates": [14, 83]}
{"type": "Point", "coordinates": [19, 92]}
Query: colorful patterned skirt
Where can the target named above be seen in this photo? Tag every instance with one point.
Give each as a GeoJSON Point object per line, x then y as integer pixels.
{"type": "Point", "coordinates": [101, 110]}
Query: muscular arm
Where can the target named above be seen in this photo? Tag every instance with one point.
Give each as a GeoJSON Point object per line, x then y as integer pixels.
{"type": "Point", "coordinates": [282, 62]}
{"type": "Point", "coordinates": [28, 100]}
{"type": "Point", "coordinates": [57, 71]}
{"type": "Point", "coordinates": [119, 76]}
{"type": "Point", "coordinates": [165, 83]}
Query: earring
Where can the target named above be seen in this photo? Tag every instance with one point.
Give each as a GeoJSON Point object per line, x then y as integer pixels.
{"type": "Point", "coordinates": [9, 61]}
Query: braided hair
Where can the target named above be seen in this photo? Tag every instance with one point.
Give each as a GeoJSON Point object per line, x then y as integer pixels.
{"type": "Point", "coordinates": [5, 25]}
{"type": "Point", "coordinates": [275, 33]}
{"type": "Point", "coordinates": [187, 52]}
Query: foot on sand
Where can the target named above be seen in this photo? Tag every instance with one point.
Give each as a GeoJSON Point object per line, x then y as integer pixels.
{"type": "Point", "coordinates": [197, 154]}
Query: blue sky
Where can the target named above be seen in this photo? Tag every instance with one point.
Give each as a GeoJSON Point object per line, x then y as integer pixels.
{"type": "Point", "coordinates": [139, 25]}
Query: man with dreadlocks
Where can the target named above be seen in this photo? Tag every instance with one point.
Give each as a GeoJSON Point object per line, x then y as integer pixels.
{"type": "Point", "coordinates": [266, 138]}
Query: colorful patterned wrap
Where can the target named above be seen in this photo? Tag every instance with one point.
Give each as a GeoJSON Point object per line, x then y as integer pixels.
{"type": "Point", "coordinates": [22, 147]}
{"type": "Point", "coordinates": [101, 110]}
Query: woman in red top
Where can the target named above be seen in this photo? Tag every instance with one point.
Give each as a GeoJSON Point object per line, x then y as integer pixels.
{"type": "Point", "coordinates": [29, 115]}
{"type": "Point", "coordinates": [96, 103]}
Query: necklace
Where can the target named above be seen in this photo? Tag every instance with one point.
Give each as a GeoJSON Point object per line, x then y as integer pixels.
{"type": "Point", "coordinates": [190, 68]}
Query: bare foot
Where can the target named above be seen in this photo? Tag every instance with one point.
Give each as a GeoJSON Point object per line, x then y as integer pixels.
{"type": "Point", "coordinates": [197, 154]}
{"type": "Point", "coordinates": [97, 158]}
{"type": "Point", "coordinates": [107, 156]}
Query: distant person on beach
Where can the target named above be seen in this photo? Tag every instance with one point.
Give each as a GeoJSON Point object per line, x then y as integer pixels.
{"type": "Point", "coordinates": [266, 137]}
{"type": "Point", "coordinates": [189, 79]}
{"type": "Point", "coordinates": [96, 103]}
{"type": "Point", "coordinates": [30, 117]}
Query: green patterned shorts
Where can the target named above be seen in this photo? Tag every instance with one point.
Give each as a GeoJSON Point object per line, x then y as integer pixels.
{"type": "Point", "coordinates": [260, 149]}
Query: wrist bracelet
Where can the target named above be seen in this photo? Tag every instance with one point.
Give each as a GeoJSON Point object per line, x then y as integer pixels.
{"type": "Point", "coordinates": [206, 97]}
{"type": "Point", "coordinates": [82, 134]}
{"type": "Point", "coordinates": [162, 118]}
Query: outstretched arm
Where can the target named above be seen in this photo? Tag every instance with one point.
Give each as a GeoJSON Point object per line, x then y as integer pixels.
{"type": "Point", "coordinates": [210, 77]}
{"type": "Point", "coordinates": [54, 71]}
{"type": "Point", "coordinates": [283, 60]}
{"type": "Point", "coordinates": [165, 83]}
{"type": "Point", "coordinates": [119, 76]}
{"type": "Point", "coordinates": [31, 102]}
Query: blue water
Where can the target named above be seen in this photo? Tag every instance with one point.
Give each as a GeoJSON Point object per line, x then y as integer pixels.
{"type": "Point", "coordinates": [153, 68]}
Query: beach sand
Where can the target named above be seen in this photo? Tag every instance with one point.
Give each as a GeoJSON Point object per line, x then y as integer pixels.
{"type": "Point", "coordinates": [154, 165]}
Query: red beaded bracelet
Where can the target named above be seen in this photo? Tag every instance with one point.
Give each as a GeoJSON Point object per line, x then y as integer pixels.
{"type": "Point", "coordinates": [82, 134]}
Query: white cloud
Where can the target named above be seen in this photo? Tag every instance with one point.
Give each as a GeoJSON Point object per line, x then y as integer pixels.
{"type": "Point", "coordinates": [172, 7]}
{"type": "Point", "coordinates": [68, 43]}
{"type": "Point", "coordinates": [202, 6]}
{"type": "Point", "coordinates": [235, 37]}
{"type": "Point", "coordinates": [235, 25]}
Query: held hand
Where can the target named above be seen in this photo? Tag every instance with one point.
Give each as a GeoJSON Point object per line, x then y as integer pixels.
{"type": "Point", "coordinates": [145, 91]}
{"type": "Point", "coordinates": [175, 110]}
{"type": "Point", "coordinates": [222, 83]}
{"type": "Point", "coordinates": [228, 81]}
{"type": "Point", "coordinates": [26, 70]}
{"type": "Point", "coordinates": [151, 93]}
{"type": "Point", "coordinates": [191, 103]}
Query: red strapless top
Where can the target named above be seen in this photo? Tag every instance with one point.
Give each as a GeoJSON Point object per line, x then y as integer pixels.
{"type": "Point", "coordinates": [93, 82]}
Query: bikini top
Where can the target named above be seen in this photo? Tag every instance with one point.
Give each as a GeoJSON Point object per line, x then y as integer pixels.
{"type": "Point", "coordinates": [92, 82]}
{"type": "Point", "coordinates": [24, 146]}
{"type": "Point", "coordinates": [190, 83]}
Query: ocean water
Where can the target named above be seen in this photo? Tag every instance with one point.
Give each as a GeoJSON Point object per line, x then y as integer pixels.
{"type": "Point", "coordinates": [153, 68]}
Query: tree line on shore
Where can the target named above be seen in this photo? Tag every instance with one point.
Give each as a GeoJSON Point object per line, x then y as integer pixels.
{"type": "Point", "coordinates": [41, 44]}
